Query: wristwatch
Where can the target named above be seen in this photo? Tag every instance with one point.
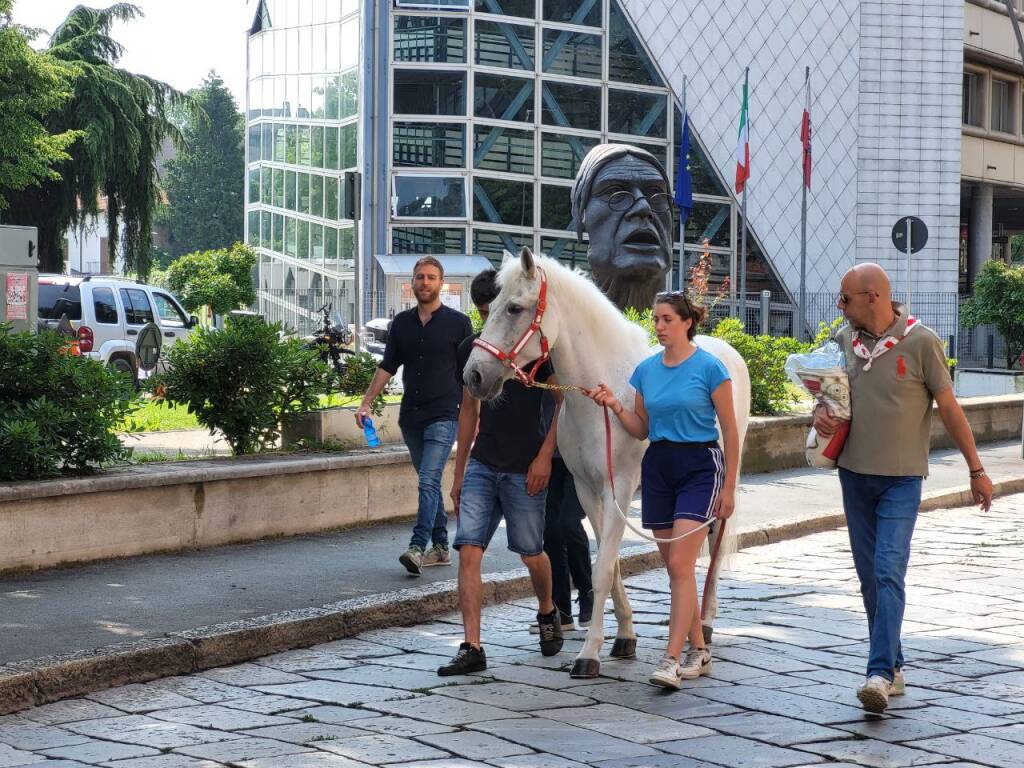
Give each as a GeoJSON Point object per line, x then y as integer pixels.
{"type": "Point", "coordinates": [974, 474]}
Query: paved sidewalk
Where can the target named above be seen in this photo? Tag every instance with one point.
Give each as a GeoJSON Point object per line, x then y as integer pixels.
{"type": "Point", "coordinates": [66, 610]}
{"type": "Point", "coordinates": [789, 650]}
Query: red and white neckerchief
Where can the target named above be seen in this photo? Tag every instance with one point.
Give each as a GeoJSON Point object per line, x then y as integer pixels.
{"type": "Point", "coordinates": [883, 345]}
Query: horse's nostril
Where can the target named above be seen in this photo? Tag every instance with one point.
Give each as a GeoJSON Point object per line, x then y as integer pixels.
{"type": "Point", "coordinates": [475, 378]}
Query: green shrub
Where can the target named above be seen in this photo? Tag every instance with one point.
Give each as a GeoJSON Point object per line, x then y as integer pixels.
{"type": "Point", "coordinates": [58, 413]}
{"type": "Point", "coordinates": [766, 359]}
{"type": "Point", "coordinates": [243, 380]}
{"type": "Point", "coordinates": [998, 300]}
{"type": "Point", "coordinates": [359, 372]}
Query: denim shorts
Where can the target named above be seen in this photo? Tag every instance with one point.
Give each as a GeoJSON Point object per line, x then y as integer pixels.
{"type": "Point", "coordinates": [489, 495]}
{"type": "Point", "coordinates": [680, 481]}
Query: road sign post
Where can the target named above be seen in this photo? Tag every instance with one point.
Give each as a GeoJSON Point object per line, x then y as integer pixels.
{"type": "Point", "coordinates": [909, 235]}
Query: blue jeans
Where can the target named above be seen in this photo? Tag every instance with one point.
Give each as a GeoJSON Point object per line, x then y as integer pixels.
{"type": "Point", "coordinates": [489, 495]}
{"type": "Point", "coordinates": [430, 446]}
{"type": "Point", "coordinates": [880, 515]}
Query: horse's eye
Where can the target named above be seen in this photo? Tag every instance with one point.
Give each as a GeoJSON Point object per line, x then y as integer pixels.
{"type": "Point", "coordinates": [514, 309]}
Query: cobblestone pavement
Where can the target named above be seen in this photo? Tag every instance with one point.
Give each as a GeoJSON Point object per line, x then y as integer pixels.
{"type": "Point", "coordinates": [789, 650]}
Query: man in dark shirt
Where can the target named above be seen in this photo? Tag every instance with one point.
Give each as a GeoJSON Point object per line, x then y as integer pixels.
{"type": "Point", "coordinates": [425, 341]}
{"type": "Point", "coordinates": [507, 476]}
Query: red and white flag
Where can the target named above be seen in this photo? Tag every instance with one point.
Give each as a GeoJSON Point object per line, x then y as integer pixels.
{"type": "Point", "coordinates": [742, 147]}
{"type": "Point", "coordinates": [805, 138]}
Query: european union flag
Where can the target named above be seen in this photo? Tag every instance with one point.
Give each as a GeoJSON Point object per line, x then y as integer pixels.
{"type": "Point", "coordinates": [684, 184]}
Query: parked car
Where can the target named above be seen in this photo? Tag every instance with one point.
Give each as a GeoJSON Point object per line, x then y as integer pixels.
{"type": "Point", "coordinates": [108, 314]}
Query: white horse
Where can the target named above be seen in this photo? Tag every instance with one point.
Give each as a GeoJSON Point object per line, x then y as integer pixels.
{"type": "Point", "coordinates": [590, 342]}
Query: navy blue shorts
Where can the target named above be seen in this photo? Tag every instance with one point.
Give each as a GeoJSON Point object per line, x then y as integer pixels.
{"type": "Point", "coordinates": [680, 481]}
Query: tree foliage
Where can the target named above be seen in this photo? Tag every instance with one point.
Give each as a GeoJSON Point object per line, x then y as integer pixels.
{"type": "Point", "coordinates": [205, 182]}
{"type": "Point", "coordinates": [219, 279]}
{"type": "Point", "coordinates": [32, 86]}
{"type": "Point", "coordinates": [243, 380]}
{"type": "Point", "coordinates": [123, 119]}
{"type": "Point", "coordinates": [998, 300]}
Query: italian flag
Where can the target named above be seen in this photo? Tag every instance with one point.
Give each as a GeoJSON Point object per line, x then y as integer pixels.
{"type": "Point", "coordinates": [742, 147]}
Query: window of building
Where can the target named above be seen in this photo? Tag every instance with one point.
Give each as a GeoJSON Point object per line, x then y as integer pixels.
{"type": "Point", "coordinates": [710, 220]}
{"type": "Point", "coordinates": [628, 62]}
{"type": "Point", "coordinates": [566, 250]}
{"type": "Point", "coordinates": [555, 207]}
{"type": "Point", "coordinates": [430, 38]}
{"type": "Point", "coordinates": [434, 5]}
{"type": "Point", "coordinates": [424, 240]}
{"type": "Point", "coordinates": [642, 114]}
{"type": "Point", "coordinates": [429, 145]}
{"type": "Point", "coordinates": [568, 105]}
{"type": "Point", "coordinates": [493, 244]}
{"type": "Point", "coordinates": [503, 98]}
{"type": "Point", "coordinates": [348, 145]}
{"type": "Point", "coordinates": [418, 92]}
{"type": "Point", "coordinates": [429, 197]}
{"type": "Point", "coordinates": [703, 177]}
{"type": "Point", "coordinates": [972, 99]}
{"type": "Point", "coordinates": [510, 46]}
{"type": "Point", "coordinates": [289, 190]}
{"type": "Point", "coordinates": [576, 54]}
{"type": "Point", "coordinates": [584, 12]}
{"type": "Point", "coordinates": [331, 148]}
{"type": "Point", "coordinates": [1003, 100]}
{"type": "Point", "coordinates": [502, 201]}
{"type": "Point", "coordinates": [316, 194]}
{"type": "Point", "coordinates": [505, 150]}
{"type": "Point", "coordinates": [561, 155]}
{"type": "Point", "coordinates": [522, 8]}
{"type": "Point", "coordinates": [254, 185]}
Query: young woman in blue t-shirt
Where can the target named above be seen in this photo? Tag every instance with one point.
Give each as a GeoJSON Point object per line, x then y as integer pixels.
{"type": "Point", "coordinates": [685, 479]}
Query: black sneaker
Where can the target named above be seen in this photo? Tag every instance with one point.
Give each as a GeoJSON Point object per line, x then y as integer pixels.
{"type": "Point", "coordinates": [468, 659]}
{"type": "Point", "coordinates": [550, 632]}
{"type": "Point", "coordinates": [586, 601]}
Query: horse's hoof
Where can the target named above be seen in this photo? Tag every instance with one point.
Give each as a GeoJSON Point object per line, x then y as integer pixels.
{"type": "Point", "coordinates": [707, 630]}
{"type": "Point", "coordinates": [585, 669]}
{"type": "Point", "coordinates": [624, 648]}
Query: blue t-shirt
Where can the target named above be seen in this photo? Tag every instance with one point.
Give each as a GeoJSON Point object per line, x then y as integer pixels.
{"type": "Point", "coordinates": [678, 398]}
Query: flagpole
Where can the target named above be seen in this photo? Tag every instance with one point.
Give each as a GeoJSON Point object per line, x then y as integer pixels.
{"type": "Point", "coordinates": [682, 222]}
{"type": "Point", "coordinates": [743, 237]}
{"type": "Point", "coordinates": [802, 334]}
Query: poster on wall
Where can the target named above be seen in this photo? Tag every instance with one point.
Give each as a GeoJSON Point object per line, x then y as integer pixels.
{"type": "Point", "coordinates": [17, 296]}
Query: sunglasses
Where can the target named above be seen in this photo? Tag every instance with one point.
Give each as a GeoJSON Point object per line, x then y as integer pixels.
{"type": "Point", "coordinates": [844, 298]}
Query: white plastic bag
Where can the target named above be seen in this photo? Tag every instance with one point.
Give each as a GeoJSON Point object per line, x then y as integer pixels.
{"type": "Point", "coordinates": [823, 374]}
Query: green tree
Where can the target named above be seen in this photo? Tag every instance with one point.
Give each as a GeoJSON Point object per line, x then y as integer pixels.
{"type": "Point", "coordinates": [205, 182]}
{"type": "Point", "coordinates": [998, 300]}
{"type": "Point", "coordinates": [124, 120]}
{"type": "Point", "coordinates": [31, 87]}
{"type": "Point", "coordinates": [219, 279]}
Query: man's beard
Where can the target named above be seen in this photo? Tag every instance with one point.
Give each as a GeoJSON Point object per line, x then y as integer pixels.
{"type": "Point", "coordinates": [426, 296]}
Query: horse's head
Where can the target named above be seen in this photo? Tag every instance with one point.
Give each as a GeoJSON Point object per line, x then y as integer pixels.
{"type": "Point", "coordinates": [509, 321]}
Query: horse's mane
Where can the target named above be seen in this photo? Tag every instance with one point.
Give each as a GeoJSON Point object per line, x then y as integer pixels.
{"type": "Point", "coordinates": [591, 308]}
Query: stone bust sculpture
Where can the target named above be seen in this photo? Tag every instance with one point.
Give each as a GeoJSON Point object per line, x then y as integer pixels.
{"type": "Point", "coordinates": [621, 198]}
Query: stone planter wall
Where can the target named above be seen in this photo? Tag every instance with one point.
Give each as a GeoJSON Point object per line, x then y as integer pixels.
{"type": "Point", "coordinates": [167, 507]}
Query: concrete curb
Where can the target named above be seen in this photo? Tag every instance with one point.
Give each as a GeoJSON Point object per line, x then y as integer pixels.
{"type": "Point", "coordinates": [48, 679]}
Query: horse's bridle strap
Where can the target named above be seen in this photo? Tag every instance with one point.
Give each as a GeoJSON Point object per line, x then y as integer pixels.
{"type": "Point", "coordinates": [509, 358]}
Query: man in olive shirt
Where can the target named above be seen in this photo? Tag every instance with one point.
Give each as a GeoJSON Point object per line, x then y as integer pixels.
{"type": "Point", "coordinates": [897, 366]}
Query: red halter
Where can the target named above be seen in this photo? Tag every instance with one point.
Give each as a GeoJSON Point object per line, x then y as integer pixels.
{"type": "Point", "coordinates": [508, 359]}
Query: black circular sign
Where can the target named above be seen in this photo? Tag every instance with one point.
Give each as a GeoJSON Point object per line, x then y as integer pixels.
{"type": "Point", "coordinates": [918, 234]}
{"type": "Point", "coordinates": [147, 348]}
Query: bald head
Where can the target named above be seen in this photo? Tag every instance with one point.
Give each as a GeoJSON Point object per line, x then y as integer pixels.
{"type": "Point", "coordinates": [868, 277]}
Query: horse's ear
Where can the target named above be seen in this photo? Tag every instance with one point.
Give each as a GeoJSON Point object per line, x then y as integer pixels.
{"type": "Point", "coordinates": [506, 257]}
{"type": "Point", "coordinates": [526, 257]}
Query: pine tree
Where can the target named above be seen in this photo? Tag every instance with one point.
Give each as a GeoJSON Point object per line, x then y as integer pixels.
{"type": "Point", "coordinates": [205, 183]}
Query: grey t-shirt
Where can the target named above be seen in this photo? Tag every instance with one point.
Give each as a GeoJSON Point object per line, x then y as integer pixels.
{"type": "Point", "coordinates": [891, 404]}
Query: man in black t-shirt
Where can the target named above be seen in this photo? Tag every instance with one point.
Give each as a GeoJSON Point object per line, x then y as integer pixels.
{"type": "Point", "coordinates": [424, 341]}
{"type": "Point", "coordinates": [505, 475]}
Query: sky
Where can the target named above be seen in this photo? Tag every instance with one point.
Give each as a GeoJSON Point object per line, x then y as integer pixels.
{"type": "Point", "coordinates": [177, 41]}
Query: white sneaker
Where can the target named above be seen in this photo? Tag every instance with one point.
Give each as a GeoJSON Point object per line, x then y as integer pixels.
{"type": "Point", "coordinates": [874, 694]}
{"type": "Point", "coordinates": [899, 683]}
{"type": "Point", "coordinates": [696, 663]}
{"type": "Point", "coordinates": [667, 674]}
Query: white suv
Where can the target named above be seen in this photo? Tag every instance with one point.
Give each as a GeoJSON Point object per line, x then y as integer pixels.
{"type": "Point", "coordinates": [108, 313]}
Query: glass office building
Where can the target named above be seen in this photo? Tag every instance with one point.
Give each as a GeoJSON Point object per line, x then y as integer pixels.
{"type": "Point", "coordinates": [467, 122]}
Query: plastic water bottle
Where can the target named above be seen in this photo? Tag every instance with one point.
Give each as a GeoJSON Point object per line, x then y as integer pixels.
{"type": "Point", "coordinates": [370, 433]}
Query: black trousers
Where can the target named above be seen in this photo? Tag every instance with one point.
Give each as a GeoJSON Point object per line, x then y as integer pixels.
{"type": "Point", "coordinates": [565, 540]}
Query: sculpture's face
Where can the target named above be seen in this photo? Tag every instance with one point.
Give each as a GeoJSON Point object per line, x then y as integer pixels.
{"type": "Point", "coordinates": [628, 239]}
